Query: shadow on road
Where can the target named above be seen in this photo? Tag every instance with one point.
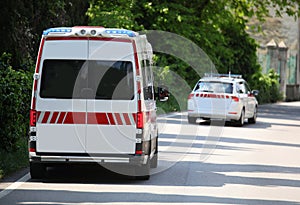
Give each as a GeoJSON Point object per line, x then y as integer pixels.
{"type": "Point", "coordinates": [199, 174]}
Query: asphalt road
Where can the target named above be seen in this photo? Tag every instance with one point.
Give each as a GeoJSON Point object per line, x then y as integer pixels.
{"type": "Point", "coordinates": [198, 164]}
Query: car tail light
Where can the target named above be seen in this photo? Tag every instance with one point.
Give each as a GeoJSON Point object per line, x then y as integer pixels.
{"type": "Point", "coordinates": [32, 118]}
{"type": "Point", "coordinates": [234, 98]}
{"type": "Point", "coordinates": [190, 96]}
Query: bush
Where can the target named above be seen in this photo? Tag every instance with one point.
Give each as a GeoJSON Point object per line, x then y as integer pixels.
{"type": "Point", "coordinates": [12, 161]}
{"type": "Point", "coordinates": [15, 92]}
{"type": "Point", "coordinates": [268, 86]}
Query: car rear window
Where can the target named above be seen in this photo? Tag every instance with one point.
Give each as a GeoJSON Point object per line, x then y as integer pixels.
{"type": "Point", "coordinates": [214, 87]}
{"type": "Point", "coordinates": [87, 79]}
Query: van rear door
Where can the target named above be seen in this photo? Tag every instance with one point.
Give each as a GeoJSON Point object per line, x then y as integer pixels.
{"type": "Point", "coordinates": [86, 101]}
{"type": "Point", "coordinates": [111, 127]}
{"type": "Point", "coordinates": [61, 111]}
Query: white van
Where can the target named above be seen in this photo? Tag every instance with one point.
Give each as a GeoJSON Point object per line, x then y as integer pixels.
{"type": "Point", "coordinates": [93, 100]}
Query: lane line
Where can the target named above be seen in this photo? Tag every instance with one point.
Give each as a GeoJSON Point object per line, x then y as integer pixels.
{"type": "Point", "coordinates": [14, 185]}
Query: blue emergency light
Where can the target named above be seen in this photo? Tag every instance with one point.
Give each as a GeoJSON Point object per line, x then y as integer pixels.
{"type": "Point", "coordinates": [57, 30]}
{"type": "Point", "coordinates": [120, 31]}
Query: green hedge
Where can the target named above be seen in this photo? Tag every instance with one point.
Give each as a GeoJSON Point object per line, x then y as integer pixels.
{"type": "Point", "coordinates": [15, 94]}
{"type": "Point", "coordinates": [267, 85]}
{"type": "Point", "coordinates": [15, 91]}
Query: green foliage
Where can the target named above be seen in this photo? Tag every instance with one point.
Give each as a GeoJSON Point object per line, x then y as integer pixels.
{"type": "Point", "coordinates": [268, 86]}
{"type": "Point", "coordinates": [22, 23]}
{"type": "Point", "coordinates": [213, 26]}
{"type": "Point", "coordinates": [12, 161]}
{"type": "Point", "coordinates": [15, 90]}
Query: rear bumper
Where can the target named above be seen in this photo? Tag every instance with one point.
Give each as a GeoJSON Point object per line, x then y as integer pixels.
{"type": "Point", "coordinates": [223, 116]}
{"type": "Point", "coordinates": [52, 158]}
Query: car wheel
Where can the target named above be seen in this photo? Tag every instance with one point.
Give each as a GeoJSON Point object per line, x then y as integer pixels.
{"type": "Point", "coordinates": [252, 120]}
{"type": "Point", "coordinates": [241, 121]}
{"type": "Point", "coordinates": [192, 120]}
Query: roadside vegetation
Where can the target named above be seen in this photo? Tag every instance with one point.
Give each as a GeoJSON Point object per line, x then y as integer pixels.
{"type": "Point", "coordinates": [218, 27]}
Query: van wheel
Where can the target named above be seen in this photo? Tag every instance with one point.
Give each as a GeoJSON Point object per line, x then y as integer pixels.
{"type": "Point", "coordinates": [252, 120]}
{"type": "Point", "coordinates": [192, 120]}
{"type": "Point", "coordinates": [37, 170]}
{"type": "Point", "coordinates": [240, 122]}
{"type": "Point", "coordinates": [143, 172]}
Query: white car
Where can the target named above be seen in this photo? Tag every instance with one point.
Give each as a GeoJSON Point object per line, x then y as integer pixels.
{"type": "Point", "coordinates": [224, 97]}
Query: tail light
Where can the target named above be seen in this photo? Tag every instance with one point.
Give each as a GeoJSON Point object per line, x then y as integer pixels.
{"type": "Point", "coordinates": [190, 96]}
{"type": "Point", "coordinates": [31, 149]}
{"type": "Point", "coordinates": [140, 120]}
{"type": "Point", "coordinates": [32, 146]}
{"type": "Point", "coordinates": [32, 118]}
{"type": "Point", "coordinates": [139, 152]}
{"type": "Point", "coordinates": [234, 98]}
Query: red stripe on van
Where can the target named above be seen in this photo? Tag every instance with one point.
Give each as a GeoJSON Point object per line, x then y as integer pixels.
{"type": "Point", "coordinates": [92, 118]}
{"type": "Point", "coordinates": [97, 118]}
{"type": "Point", "coordinates": [75, 118]}
{"type": "Point", "coordinates": [61, 117]}
{"type": "Point", "coordinates": [54, 117]}
{"type": "Point", "coordinates": [118, 118]}
{"type": "Point", "coordinates": [66, 38]}
{"type": "Point", "coordinates": [137, 67]}
{"type": "Point", "coordinates": [38, 113]}
{"type": "Point", "coordinates": [46, 116]}
{"type": "Point", "coordinates": [127, 120]}
{"type": "Point", "coordinates": [37, 68]}
{"type": "Point", "coordinates": [120, 39]}
{"type": "Point", "coordinates": [111, 118]}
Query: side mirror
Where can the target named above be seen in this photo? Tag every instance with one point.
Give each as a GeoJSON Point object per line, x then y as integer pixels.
{"type": "Point", "coordinates": [254, 92]}
{"type": "Point", "coordinates": [162, 94]}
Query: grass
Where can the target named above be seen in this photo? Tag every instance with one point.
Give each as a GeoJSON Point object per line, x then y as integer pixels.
{"type": "Point", "coordinates": [14, 160]}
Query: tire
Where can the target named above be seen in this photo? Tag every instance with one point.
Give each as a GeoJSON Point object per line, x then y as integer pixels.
{"type": "Point", "coordinates": [192, 120]}
{"type": "Point", "coordinates": [240, 122]}
{"type": "Point", "coordinates": [252, 120]}
{"type": "Point", "coordinates": [143, 172]}
{"type": "Point", "coordinates": [37, 170]}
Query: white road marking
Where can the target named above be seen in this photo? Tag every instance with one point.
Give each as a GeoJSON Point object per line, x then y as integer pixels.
{"type": "Point", "coordinates": [14, 185]}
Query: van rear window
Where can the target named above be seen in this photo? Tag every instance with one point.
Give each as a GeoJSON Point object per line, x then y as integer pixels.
{"type": "Point", "coordinates": [87, 79]}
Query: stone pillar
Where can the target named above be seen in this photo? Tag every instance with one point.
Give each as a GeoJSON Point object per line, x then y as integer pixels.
{"type": "Point", "coordinates": [282, 57]}
{"type": "Point", "coordinates": [272, 52]}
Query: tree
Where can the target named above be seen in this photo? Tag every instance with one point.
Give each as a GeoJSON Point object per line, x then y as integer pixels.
{"type": "Point", "coordinates": [22, 24]}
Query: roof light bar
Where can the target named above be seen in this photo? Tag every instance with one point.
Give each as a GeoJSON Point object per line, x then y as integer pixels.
{"type": "Point", "coordinates": [120, 32]}
{"type": "Point", "coordinates": [57, 30]}
{"type": "Point", "coordinates": [89, 31]}
{"type": "Point", "coordinates": [222, 75]}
